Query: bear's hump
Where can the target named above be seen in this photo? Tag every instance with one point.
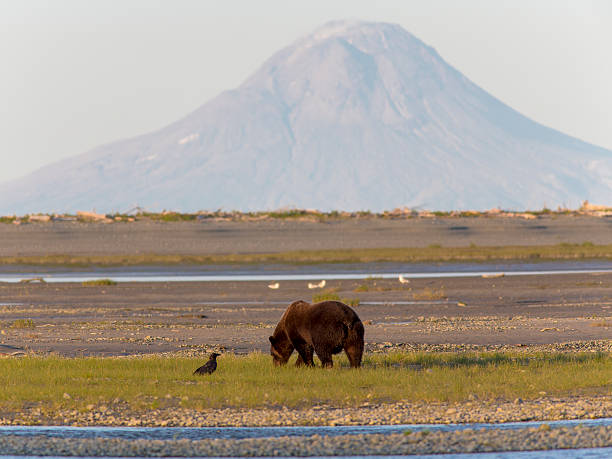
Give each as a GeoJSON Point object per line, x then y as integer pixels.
{"type": "Point", "coordinates": [334, 310]}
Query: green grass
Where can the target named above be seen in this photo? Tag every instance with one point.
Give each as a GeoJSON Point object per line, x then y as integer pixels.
{"type": "Point", "coordinates": [98, 282]}
{"type": "Point", "coordinates": [23, 323]}
{"type": "Point", "coordinates": [252, 381]}
{"type": "Point", "coordinates": [169, 216]}
{"type": "Point", "coordinates": [433, 253]}
{"type": "Point", "coordinates": [326, 295]}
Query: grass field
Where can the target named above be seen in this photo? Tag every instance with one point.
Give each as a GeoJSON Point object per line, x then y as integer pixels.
{"type": "Point", "coordinates": [252, 381]}
{"type": "Point", "coordinates": [434, 253]}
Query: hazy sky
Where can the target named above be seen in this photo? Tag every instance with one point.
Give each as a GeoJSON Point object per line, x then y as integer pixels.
{"type": "Point", "coordinates": [78, 73]}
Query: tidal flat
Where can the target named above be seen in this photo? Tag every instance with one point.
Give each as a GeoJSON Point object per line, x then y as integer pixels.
{"type": "Point", "coordinates": [461, 350]}
{"type": "Point", "coordinates": [465, 313]}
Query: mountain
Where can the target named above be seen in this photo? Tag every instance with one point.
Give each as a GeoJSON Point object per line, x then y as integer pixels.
{"type": "Point", "coordinates": [354, 116]}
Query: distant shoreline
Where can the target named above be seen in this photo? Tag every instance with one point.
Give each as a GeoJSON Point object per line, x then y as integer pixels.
{"type": "Point", "coordinates": [433, 254]}
{"type": "Point", "coordinates": [306, 240]}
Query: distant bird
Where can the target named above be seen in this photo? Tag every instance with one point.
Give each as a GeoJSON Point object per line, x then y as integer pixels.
{"type": "Point", "coordinates": [209, 367]}
{"type": "Point", "coordinates": [319, 285]}
{"type": "Point", "coordinates": [274, 286]}
{"type": "Point", "coordinates": [403, 280]}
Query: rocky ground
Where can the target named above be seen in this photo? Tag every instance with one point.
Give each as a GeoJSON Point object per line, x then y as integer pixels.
{"type": "Point", "coordinates": [423, 442]}
{"type": "Point", "coordinates": [155, 317]}
{"type": "Point", "coordinates": [473, 411]}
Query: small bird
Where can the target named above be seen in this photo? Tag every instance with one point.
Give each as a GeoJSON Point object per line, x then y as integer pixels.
{"type": "Point", "coordinates": [319, 285]}
{"type": "Point", "coordinates": [403, 280]}
{"type": "Point", "coordinates": [274, 286]}
{"type": "Point", "coordinates": [209, 367]}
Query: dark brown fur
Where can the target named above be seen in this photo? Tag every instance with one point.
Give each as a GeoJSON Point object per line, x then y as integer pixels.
{"type": "Point", "coordinates": [324, 328]}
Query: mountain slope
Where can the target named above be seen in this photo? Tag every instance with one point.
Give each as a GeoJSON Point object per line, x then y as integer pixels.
{"type": "Point", "coordinates": [353, 116]}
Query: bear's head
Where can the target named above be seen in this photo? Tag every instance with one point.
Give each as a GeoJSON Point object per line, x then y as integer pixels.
{"type": "Point", "coordinates": [280, 349]}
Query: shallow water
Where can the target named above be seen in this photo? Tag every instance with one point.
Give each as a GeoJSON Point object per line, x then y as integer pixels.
{"type": "Point", "coordinates": [199, 433]}
{"type": "Point", "coordinates": [310, 273]}
{"type": "Point", "coordinates": [594, 453]}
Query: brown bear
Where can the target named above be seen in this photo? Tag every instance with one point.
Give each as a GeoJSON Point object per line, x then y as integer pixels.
{"type": "Point", "coordinates": [325, 328]}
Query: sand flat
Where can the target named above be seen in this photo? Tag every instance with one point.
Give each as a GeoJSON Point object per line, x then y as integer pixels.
{"type": "Point", "coordinates": [134, 318]}
{"type": "Point", "coordinates": [268, 236]}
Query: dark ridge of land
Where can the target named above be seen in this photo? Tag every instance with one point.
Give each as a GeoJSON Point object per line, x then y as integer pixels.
{"type": "Point", "coordinates": [590, 236]}
{"type": "Point", "coordinates": [347, 257]}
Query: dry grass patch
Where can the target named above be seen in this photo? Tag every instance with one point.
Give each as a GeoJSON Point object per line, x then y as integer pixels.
{"type": "Point", "coordinates": [430, 294]}
{"type": "Point", "coordinates": [378, 284]}
{"type": "Point", "coordinates": [330, 294]}
{"type": "Point", "coordinates": [23, 323]}
{"type": "Point", "coordinates": [98, 282]}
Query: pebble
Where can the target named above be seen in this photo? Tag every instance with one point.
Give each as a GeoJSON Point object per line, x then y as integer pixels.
{"type": "Point", "coordinates": [545, 408]}
{"type": "Point", "coordinates": [570, 347]}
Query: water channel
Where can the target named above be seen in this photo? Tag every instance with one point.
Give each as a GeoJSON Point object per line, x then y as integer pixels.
{"type": "Point", "coordinates": [306, 273]}
{"type": "Point", "coordinates": [235, 433]}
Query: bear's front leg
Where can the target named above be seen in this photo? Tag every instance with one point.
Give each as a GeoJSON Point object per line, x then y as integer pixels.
{"type": "Point", "coordinates": [305, 355]}
{"type": "Point", "coordinates": [325, 357]}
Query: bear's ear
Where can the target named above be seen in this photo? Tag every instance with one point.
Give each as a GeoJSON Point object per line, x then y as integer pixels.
{"type": "Point", "coordinates": [271, 338]}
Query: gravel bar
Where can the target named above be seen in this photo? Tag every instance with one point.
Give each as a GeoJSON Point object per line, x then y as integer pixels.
{"type": "Point", "coordinates": [543, 437]}
{"type": "Point", "coordinates": [545, 408]}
